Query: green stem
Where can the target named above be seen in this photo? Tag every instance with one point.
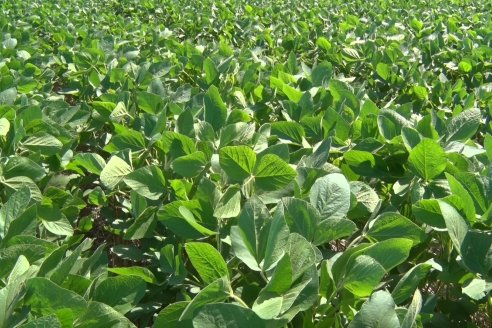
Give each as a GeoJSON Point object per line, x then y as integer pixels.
{"type": "Point", "coordinates": [238, 299]}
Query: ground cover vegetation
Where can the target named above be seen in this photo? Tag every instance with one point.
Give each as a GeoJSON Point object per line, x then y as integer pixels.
{"type": "Point", "coordinates": [245, 163]}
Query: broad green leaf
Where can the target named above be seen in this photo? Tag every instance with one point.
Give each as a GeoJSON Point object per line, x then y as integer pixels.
{"type": "Point", "coordinates": [460, 191]}
{"type": "Point", "coordinates": [289, 132]}
{"type": "Point", "coordinates": [215, 292]}
{"type": "Point", "coordinates": [476, 251]}
{"type": "Point", "coordinates": [364, 275]}
{"type": "Point", "coordinates": [331, 196]}
{"type": "Point", "coordinates": [229, 205]}
{"type": "Point", "coordinates": [409, 282]}
{"type": "Point", "coordinates": [292, 93]}
{"type": "Point", "coordinates": [177, 144]}
{"type": "Point", "coordinates": [276, 243]}
{"type": "Point", "coordinates": [413, 311]}
{"type": "Point", "coordinates": [49, 321]}
{"type": "Point", "coordinates": [210, 70]}
{"type": "Point", "coordinates": [45, 297]}
{"type": "Point", "coordinates": [7, 97]}
{"type": "Point", "coordinates": [427, 159]}
{"type": "Point", "coordinates": [322, 73]}
{"type": "Point", "coordinates": [169, 317]}
{"type": "Point", "coordinates": [377, 312]}
{"type": "Point", "coordinates": [301, 217]}
{"type": "Point", "coordinates": [237, 162]}
{"type": "Point", "coordinates": [215, 111]}
{"type": "Point", "coordinates": [367, 200]}
{"type": "Point", "coordinates": [114, 172]}
{"type": "Point", "coordinates": [249, 238]}
{"type": "Point", "coordinates": [477, 289]}
{"type": "Point", "coordinates": [19, 182]}
{"type": "Point", "coordinates": [333, 229]}
{"type": "Point", "coordinates": [91, 162]}
{"type": "Point", "coordinates": [190, 219]}
{"type": "Point", "coordinates": [207, 261]}
{"type": "Point", "coordinates": [393, 225]}
{"type": "Point", "coordinates": [122, 293]}
{"type": "Point", "coordinates": [4, 126]}
{"type": "Point", "coordinates": [62, 270]}
{"type": "Point", "coordinates": [42, 143]}
{"type": "Point", "coordinates": [147, 181]}
{"type": "Point", "coordinates": [149, 102]}
{"type": "Point", "coordinates": [191, 165]}
{"type": "Point", "coordinates": [383, 71]}
{"type": "Point", "coordinates": [126, 139]}
{"type": "Point", "coordinates": [99, 315]}
{"type": "Point", "coordinates": [389, 253]}
{"type": "Point", "coordinates": [223, 315]}
{"type": "Point", "coordinates": [140, 272]}
{"type": "Point", "coordinates": [455, 224]}
{"type": "Point", "coordinates": [464, 126]}
{"type": "Point", "coordinates": [60, 227]}
{"type": "Point", "coordinates": [13, 208]}
{"type": "Point", "coordinates": [272, 173]}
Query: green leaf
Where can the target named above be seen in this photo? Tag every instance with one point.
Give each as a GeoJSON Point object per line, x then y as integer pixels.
{"type": "Point", "coordinates": [210, 70]}
{"type": "Point", "coordinates": [389, 253]}
{"type": "Point", "coordinates": [292, 93]}
{"type": "Point", "coordinates": [4, 126]}
{"type": "Point", "coordinates": [223, 315]}
{"type": "Point", "coordinates": [114, 172]}
{"type": "Point", "coordinates": [364, 275]}
{"type": "Point", "coordinates": [189, 166]}
{"type": "Point", "coordinates": [413, 311]}
{"type": "Point", "coordinates": [49, 321]}
{"type": "Point", "coordinates": [331, 196]}
{"type": "Point", "coordinates": [7, 97]}
{"type": "Point", "coordinates": [16, 183]}
{"type": "Point", "coordinates": [147, 181]}
{"type": "Point", "coordinates": [377, 312]}
{"type": "Point", "coordinates": [393, 225]}
{"type": "Point", "coordinates": [409, 283]}
{"type": "Point", "coordinates": [383, 71]}
{"type": "Point", "coordinates": [13, 208]}
{"type": "Point", "coordinates": [288, 132]}
{"type": "Point", "coordinates": [421, 92]}
{"type": "Point", "coordinates": [476, 251]}
{"type": "Point", "coordinates": [229, 205]}
{"type": "Point", "coordinates": [45, 297]}
{"type": "Point", "coordinates": [301, 217]}
{"type": "Point", "coordinates": [237, 162]}
{"type": "Point", "coordinates": [467, 201]}
{"type": "Point", "coordinates": [190, 219]}
{"type": "Point", "coordinates": [149, 102]}
{"type": "Point", "coordinates": [215, 110]}
{"type": "Point", "coordinates": [333, 229]}
{"type": "Point", "coordinates": [42, 143]}
{"type": "Point", "coordinates": [169, 317]}
{"type": "Point", "coordinates": [464, 126]}
{"type": "Point", "coordinates": [322, 73]}
{"type": "Point", "coordinates": [427, 159]}
{"type": "Point", "coordinates": [99, 315]}
{"type": "Point", "coordinates": [207, 261]}
{"type": "Point", "coordinates": [272, 173]}
{"type": "Point", "coordinates": [455, 224]}
{"type": "Point", "coordinates": [217, 291]}
{"type": "Point", "coordinates": [477, 289]}
{"type": "Point", "coordinates": [276, 234]}
{"type": "Point", "coordinates": [121, 293]}
{"type": "Point", "coordinates": [141, 272]}
{"type": "Point", "coordinates": [249, 238]}
{"type": "Point", "coordinates": [91, 162]}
